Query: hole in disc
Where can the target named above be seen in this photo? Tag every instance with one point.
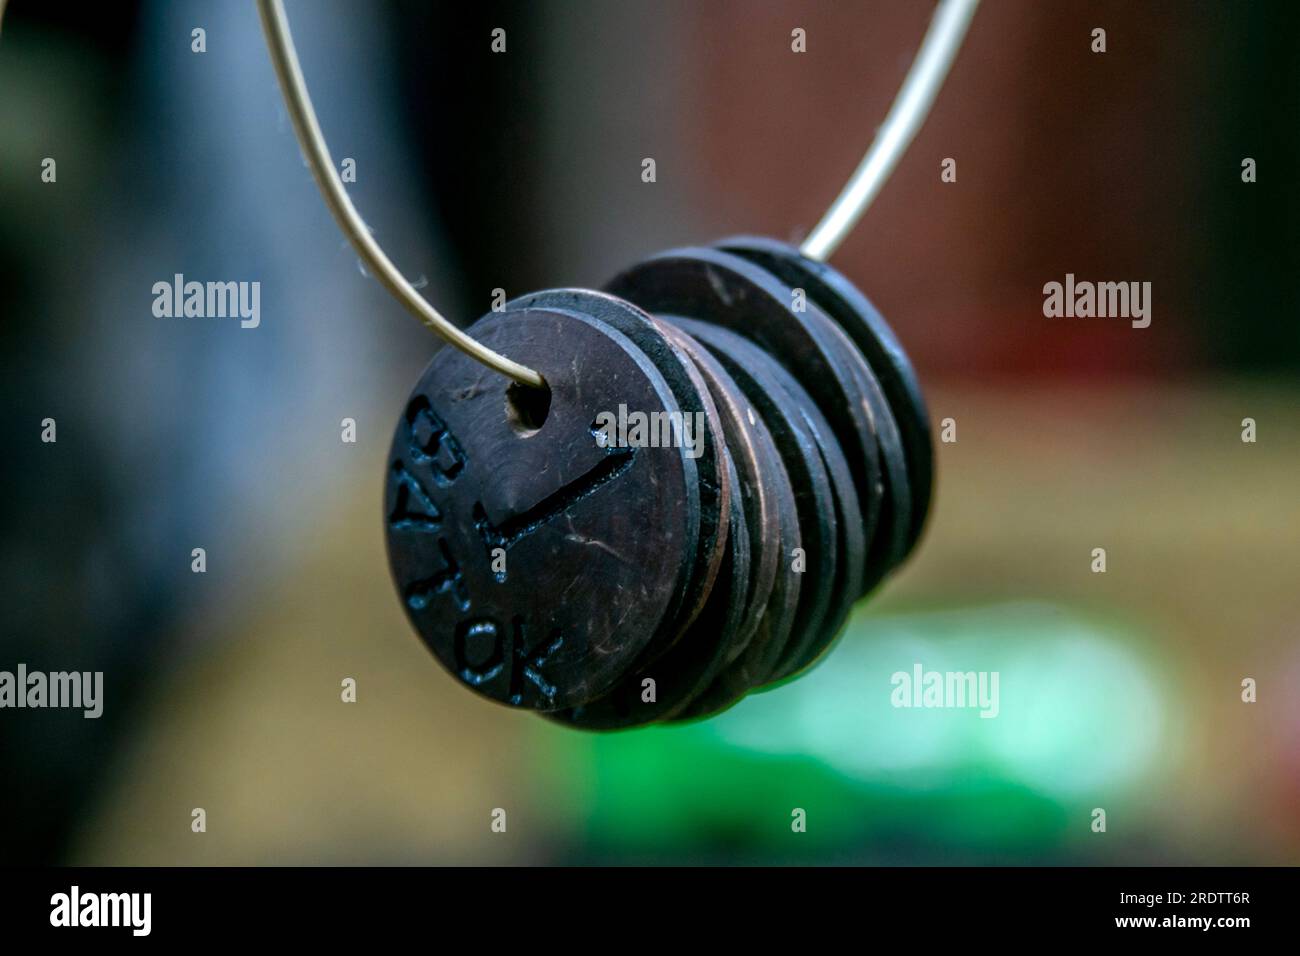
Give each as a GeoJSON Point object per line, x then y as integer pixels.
{"type": "Point", "coordinates": [527, 407]}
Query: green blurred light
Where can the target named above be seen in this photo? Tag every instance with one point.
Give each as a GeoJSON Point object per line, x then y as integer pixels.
{"type": "Point", "coordinates": [1076, 707]}
{"type": "Point", "coordinates": [1079, 713]}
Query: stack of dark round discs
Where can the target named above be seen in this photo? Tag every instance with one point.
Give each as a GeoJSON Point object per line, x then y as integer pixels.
{"type": "Point", "coordinates": [732, 448]}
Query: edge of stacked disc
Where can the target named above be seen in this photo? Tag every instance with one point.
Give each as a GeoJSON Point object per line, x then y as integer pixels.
{"type": "Point", "coordinates": [805, 480]}
{"type": "Point", "coordinates": [826, 453]}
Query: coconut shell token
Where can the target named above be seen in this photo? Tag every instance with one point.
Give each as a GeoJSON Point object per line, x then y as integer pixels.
{"type": "Point", "coordinates": [886, 507]}
{"type": "Point", "coordinates": [761, 655]}
{"type": "Point", "coordinates": [842, 301]}
{"type": "Point", "coordinates": [700, 426]}
{"type": "Point", "coordinates": [730, 448]}
{"type": "Point", "coordinates": [664, 687]}
{"type": "Point", "coordinates": [760, 474]}
{"type": "Point", "coordinates": [892, 519]}
{"type": "Point", "coordinates": [832, 534]}
{"type": "Point", "coordinates": [757, 664]}
{"type": "Point", "coordinates": [726, 290]}
{"type": "Point", "coordinates": [519, 546]}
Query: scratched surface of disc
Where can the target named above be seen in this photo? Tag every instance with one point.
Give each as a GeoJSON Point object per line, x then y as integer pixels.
{"type": "Point", "coordinates": [892, 518]}
{"type": "Point", "coordinates": [758, 663]}
{"type": "Point", "coordinates": [663, 688]}
{"type": "Point", "coordinates": [726, 290]}
{"type": "Point", "coordinates": [762, 653]}
{"type": "Point", "coordinates": [844, 302]}
{"type": "Point", "coordinates": [832, 535]}
{"type": "Point", "coordinates": [885, 503]}
{"type": "Point", "coordinates": [762, 482]}
{"type": "Point", "coordinates": [701, 428]}
{"type": "Point", "coordinates": [522, 555]}
{"type": "Point", "coordinates": [853, 528]}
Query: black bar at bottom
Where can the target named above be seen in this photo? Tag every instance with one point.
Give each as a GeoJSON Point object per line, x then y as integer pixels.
{"type": "Point", "coordinates": [582, 908]}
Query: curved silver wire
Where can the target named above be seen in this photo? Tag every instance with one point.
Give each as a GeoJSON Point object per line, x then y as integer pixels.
{"type": "Point", "coordinates": [906, 116]}
{"type": "Point", "coordinates": [285, 58]}
{"type": "Point", "coordinates": [911, 106]}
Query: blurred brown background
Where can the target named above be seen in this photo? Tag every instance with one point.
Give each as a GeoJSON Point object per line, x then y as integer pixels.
{"type": "Point", "coordinates": [523, 171]}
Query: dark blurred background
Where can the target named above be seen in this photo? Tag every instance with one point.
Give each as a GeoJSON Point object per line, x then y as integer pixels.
{"type": "Point", "coordinates": [522, 171]}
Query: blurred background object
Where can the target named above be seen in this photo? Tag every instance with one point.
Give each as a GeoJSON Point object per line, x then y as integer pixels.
{"type": "Point", "coordinates": [522, 171]}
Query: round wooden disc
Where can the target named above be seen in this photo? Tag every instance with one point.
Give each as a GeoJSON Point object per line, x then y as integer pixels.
{"type": "Point", "coordinates": [726, 290]}
{"type": "Point", "coordinates": [763, 650]}
{"type": "Point", "coordinates": [693, 397]}
{"type": "Point", "coordinates": [520, 550]}
{"type": "Point", "coordinates": [661, 689]}
{"type": "Point", "coordinates": [830, 524]}
{"type": "Point", "coordinates": [888, 546]}
{"type": "Point", "coordinates": [844, 302]}
{"type": "Point", "coordinates": [758, 467]}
